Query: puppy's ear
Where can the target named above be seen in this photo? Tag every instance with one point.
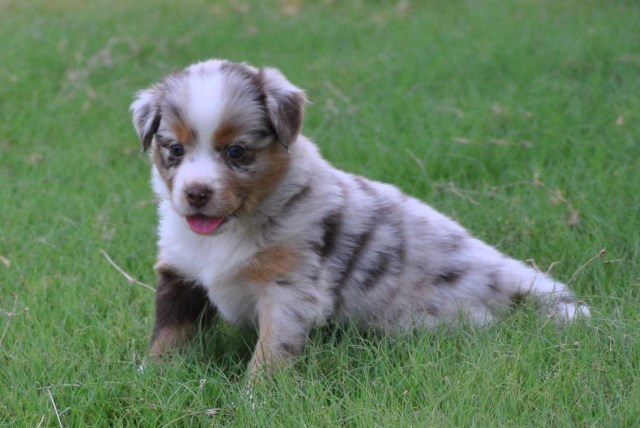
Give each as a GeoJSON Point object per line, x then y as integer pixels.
{"type": "Point", "coordinates": [285, 103]}
{"type": "Point", "coordinates": [146, 115]}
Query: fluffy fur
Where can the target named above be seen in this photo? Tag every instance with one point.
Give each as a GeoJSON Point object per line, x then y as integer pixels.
{"type": "Point", "coordinates": [257, 228]}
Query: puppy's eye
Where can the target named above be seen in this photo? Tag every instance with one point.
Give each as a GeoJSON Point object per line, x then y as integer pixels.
{"type": "Point", "coordinates": [176, 150]}
{"type": "Point", "coordinates": [235, 152]}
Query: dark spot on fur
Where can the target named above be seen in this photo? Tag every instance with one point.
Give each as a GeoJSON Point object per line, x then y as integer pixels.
{"type": "Point", "coordinates": [401, 248]}
{"type": "Point", "coordinates": [284, 283]}
{"type": "Point", "coordinates": [243, 71]}
{"type": "Point", "coordinates": [360, 243]}
{"type": "Point", "coordinates": [518, 300]}
{"type": "Point", "coordinates": [148, 136]}
{"type": "Point", "coordinates": [180, 301]}
{"type": "Point", "coordinates": [432, 310]}
{"type": "Point", "coordinates": [331, 225]}
{"type": "Point", "coordinates": [364, 186]}
{"type": "Point", "coordinates": [271, 222]}
{"type": "Point", "coordinates": [450, 277]}
{"type": "Point", "coordinates": [309, 298]}
{"type": "Point", "coordinates": [298, 197]}
{"type": "Point", "coordinates": [453, 243]}
{"type": "Point", "coordinates": [290, 348]}
{"type": "Point", "coordinates": [493, 287]}
{"type": "Point", "coordinates": [377, 271]}
{"type": "Point", "coordinates": [493, 283]}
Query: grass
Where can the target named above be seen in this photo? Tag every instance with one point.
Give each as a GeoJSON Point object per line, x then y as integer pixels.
{"type": "Point", "coordinates": [519, 118]}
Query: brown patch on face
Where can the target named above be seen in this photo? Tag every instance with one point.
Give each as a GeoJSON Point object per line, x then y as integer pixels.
{"type": "Point", "coordinates": [270, 263]}
{"type": "Point", "coordinates": [182, 132]}
{"type": "Point", "coordinates": [276, 161]}
{"type": "Point", "coordinates": [225, 134]}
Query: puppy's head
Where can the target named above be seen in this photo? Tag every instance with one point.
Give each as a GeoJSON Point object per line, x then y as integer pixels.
{"type": "Point", "coordinates": [219, 133]}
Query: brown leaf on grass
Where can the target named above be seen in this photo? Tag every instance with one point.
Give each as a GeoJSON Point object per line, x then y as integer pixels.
{"type": "Point", "coordinates": [527, 144]}
{"type": "Point", "coordinates": [620, 120]}
{"type": "Point", "coordinates": [290, 7]}
{"type": "Point", "coordinates": [36, 158]}
{"type": "Point", "coordinates": [629, 59]}
{"type": "Point", "coordinates": [143, 203]}
{"type": "Point", "coordinates": [330, 105]}
{"type": "Point", "coordinates": [5, 261]}
{"type": "Point", "coordinates": [458, 112]}
{"type": "Point", "coordinates": [217, 10]}
{"type": "Point", "coordinates": [403, 7]}
{"type": "Point", "coordinates": [251, 30]}
{"type": "Point", "coordinates": [492, 141]}
{"type": "Point", "coordinates": [537, 182]}
{"type": "Point", "coordinates": [574, 218]}
{"type": "Point", "coordinates": [498, 142]}
{"type": "Point", "coordinates": [379, 19]}
{"type": "Point", "coordinates": [557, 197]}
{"type": "Point", "coordinates": [241, 8]}
{"type": "Point", "coordinates": [462, 140]}
{"type": "Point", "coordinates": [91, 94]}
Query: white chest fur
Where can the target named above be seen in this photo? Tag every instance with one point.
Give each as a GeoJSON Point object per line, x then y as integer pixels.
{"type": "Point", "coordinates": [213, 261]}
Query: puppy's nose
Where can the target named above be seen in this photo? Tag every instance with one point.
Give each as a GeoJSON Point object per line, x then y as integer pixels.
{"type": "Point", "coordinates": [198, 195]}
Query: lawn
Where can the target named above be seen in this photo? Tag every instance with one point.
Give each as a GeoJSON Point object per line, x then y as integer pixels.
{"type": "Point", "coordinates": [518, 118]}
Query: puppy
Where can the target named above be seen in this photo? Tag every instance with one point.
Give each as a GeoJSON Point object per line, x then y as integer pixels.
{"type": "Point", "coordinates": [258, 229]}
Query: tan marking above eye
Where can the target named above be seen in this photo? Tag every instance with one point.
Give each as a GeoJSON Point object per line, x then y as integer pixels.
{"type": "Point", "coordinates": [225, 134]}
{"type": "Point", "coordinates": [183, 134]}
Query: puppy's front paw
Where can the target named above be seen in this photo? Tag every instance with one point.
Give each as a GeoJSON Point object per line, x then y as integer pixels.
{"type": "Point", "coordinates": [168, 338]}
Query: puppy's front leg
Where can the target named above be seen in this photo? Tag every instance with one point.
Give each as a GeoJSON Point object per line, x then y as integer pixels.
{"type": "Point", "coordinates": [180, 305]}
{"type": "Point", "coordinates": [283, 331]}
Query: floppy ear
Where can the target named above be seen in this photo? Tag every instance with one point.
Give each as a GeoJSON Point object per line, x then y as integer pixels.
{"type": "Point", "coordinates": [146, 115]}
{"type": "Point", "coordinates": [285, 103]}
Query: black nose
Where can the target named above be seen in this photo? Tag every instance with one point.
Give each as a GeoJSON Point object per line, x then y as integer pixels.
{"type": "Point", "coordinates": [198, 195]}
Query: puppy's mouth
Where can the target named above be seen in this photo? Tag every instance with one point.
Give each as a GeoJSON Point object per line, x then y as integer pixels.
{"type": "Point", "coordinates": [204, 225]}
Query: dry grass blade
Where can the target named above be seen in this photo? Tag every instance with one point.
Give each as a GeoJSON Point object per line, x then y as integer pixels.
{"type": "Point", "coordinates": [5, 261]}
{"type": "Point", "coordinates": [10, 316]}
{"type": "Point", "coordinates": [451, 187]}
{"type": "Point", "coordinates": [55, 408]}
{"type": "Point", "coordinates": [129, 278]}
{"type": "Point", "coordinates": [601, 253]}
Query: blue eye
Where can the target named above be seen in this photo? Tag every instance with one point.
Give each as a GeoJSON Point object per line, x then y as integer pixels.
{"type": "Point", "coordinates": [176, 150]}
{"type": "Point", "coordinates": [235, 152]}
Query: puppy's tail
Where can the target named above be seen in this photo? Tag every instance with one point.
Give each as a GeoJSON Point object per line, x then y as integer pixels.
{"type": "Point", "coordinates": [552, 297]}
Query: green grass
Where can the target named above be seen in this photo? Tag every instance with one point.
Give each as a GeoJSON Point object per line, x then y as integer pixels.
{"type": "Point", "coordinates": [519, 118]}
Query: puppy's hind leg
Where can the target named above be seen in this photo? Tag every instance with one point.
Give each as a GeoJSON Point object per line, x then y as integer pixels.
{"type": "Point", "coordinates": [552, 297]}
{"type": "Point", "coordinates": [181, 306]}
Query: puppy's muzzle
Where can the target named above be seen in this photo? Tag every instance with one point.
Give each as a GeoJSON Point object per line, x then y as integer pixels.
{"type": "Point", "coordinates": [198, 195]}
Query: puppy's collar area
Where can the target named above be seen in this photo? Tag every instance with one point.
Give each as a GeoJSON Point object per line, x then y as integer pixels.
{"type": "Point", "coordinates": [204, 225]}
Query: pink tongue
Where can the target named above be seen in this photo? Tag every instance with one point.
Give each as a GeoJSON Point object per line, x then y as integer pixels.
{"type": "Point", "coordinates": [202, 224]}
